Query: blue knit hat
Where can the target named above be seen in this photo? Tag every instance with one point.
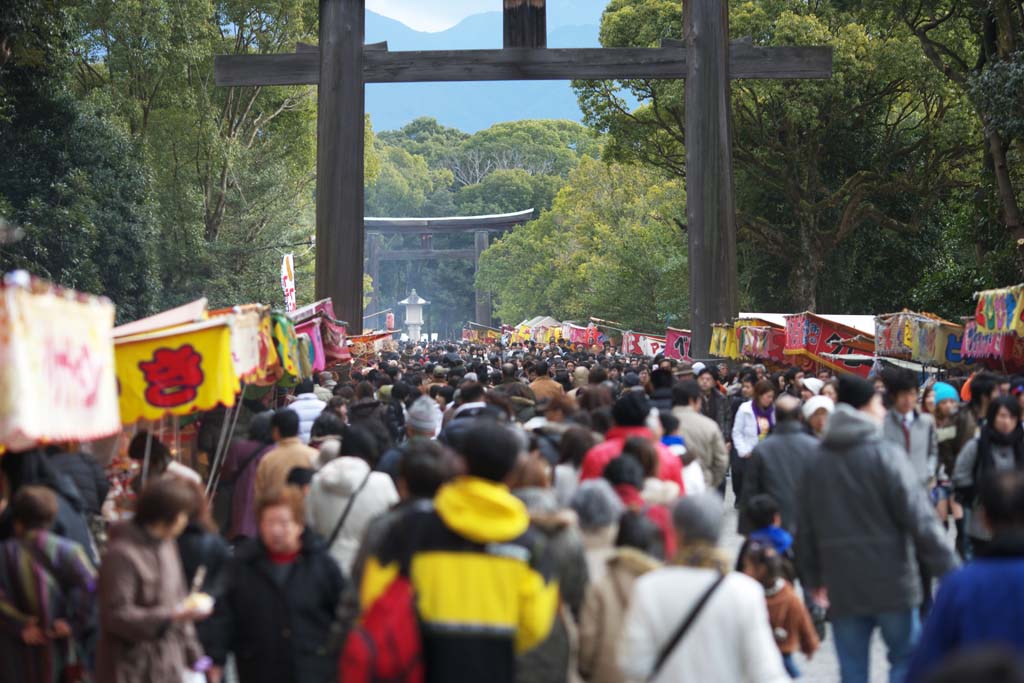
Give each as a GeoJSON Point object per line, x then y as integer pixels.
{"type": "Point", "coordinates": [945, 392]}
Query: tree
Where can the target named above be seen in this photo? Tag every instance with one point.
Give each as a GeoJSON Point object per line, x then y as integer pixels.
{"type": "Point", "coordinates": [407, 186]}
{"type": "Point", "coordinates": [507, 191]}
{"type": "Point", "coordinates": [611, 246]}
{"type": "Point", "coordinates": [876, 147]}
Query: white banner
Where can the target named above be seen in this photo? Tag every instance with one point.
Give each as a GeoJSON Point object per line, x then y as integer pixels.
{"type": "Point", "coordinates": [288, 282]}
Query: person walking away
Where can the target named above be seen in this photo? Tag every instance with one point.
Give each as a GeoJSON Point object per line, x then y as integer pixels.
{"type": "Point", "coordinates": [307, 406]}
{"type": "Point", "coordinates": [47, 594]}
{"type": "Point", "coordinates": [983, 603]}
{"type": "Point", "coordinates": [604, 608]}
{"type": "Point", "coordinates": [947, 406]}
{"type": "Point", "coordinates": [89, 478]}
{"type": "Point", "coordinates": [693, 474]}
{"type": "Point", "coordinates": [289, 451]}
{"type": "Point", "coordinates": [345, 497]}
{"type": "Point", "coordinates": [999, 448]}
{"type": "Point", "coordinates": [630, 414]}
{"type": "Point", "coordinates": [281, 592]}
{"type": "Point", "coordinates": [790, 622]}
{"type": "Point", "coordinates": [422, 424]}
{"type": "Point", "coordinates": [727, 637]}
{"type": "Point", "coordinates": [204, 555]}
{"type": "Point", "coordinates": [237, 487]}
{"type": "Point", "coordinates": [371, 414]}
{"type": "Point", "coordinates": [755, 420]}
{"type": "Point", "coordinates": [544, 387]}
{"type": "Point", "coordinates": [863, 523]}
{"type": "Point", "coordinates": [477, 532]}
{"type": "Point", "coordinates": [146, 625]}
{"type": "Point", "coordinates": [778, 464]}
{"type": "Point", "coordinates": [599, 511]}
{"type": "Point", "coordinates": [701, 434]}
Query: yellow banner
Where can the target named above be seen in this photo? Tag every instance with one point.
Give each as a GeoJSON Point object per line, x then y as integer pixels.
{"type": "Point", "coordinates": [176, 372]}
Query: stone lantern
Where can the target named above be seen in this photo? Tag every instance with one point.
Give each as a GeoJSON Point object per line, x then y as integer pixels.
{"type": "Point", "coordinates": [414, 314]}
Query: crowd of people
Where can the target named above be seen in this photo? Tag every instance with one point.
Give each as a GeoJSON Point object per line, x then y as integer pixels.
{"type": "Point", "coordinates": [538, 513]}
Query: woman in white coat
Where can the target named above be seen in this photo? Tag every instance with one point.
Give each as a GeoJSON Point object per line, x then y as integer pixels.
{"type": "Point", "coordinates": [338, 481]}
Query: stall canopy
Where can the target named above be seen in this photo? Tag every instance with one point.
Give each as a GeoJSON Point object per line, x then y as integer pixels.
{"type": "Point", "coordinates": [56, 361]}
{"type": "Point", "coordinates": [920, 337]}
{"type": "Point", "coordinates": [813, 338]}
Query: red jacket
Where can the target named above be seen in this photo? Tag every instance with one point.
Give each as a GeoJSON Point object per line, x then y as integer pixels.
{"type": "Point", "coordinates": [603, 453]}
{"type": "Point", "coordinates": [658, 514]}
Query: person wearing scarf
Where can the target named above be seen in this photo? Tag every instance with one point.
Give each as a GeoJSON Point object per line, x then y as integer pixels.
{"type": "Point", "coordinates": [998, 448]}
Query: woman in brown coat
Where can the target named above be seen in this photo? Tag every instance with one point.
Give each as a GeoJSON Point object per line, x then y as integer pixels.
{"type": "Point", "coordinates": [146, 632]}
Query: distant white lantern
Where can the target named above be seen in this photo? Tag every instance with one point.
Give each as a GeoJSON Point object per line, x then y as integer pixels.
{"type": "Point", "coordinates": [414, 314]}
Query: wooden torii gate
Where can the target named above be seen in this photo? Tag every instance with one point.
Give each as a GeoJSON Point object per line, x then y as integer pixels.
{"type": "Point", "coordinates": [425, 228]}
{"type": "Point", "coordinates": [343, 65]}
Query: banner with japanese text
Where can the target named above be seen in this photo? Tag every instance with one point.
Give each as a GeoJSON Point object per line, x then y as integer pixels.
{"type": "Point", "coordinates": [288, 282]}
{"type": "Point", "coordinates": [57, 378]}
{"type": "Point", "coordinates": [176, 372]}
{"type": "Point", "coordinates": [810, 337]}
{"type": "Point", "coordinates": [637, 344]}
{"type": "Point", "coordinates": [999, 311]}
{"type": "Point", "coordinates": [677, 344]}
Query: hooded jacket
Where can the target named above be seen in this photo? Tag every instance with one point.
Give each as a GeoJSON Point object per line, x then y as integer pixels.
{"type": "Point", "coordinates": [864, 519]}
{"type": "Point", "coordinates": [308, 407]}
{"type": "Point", "coordinates": [332, 488]}
{"type": "Point", "coordinates": [483, 584]}
{"type": "Point", "coordinates": [604, 612]}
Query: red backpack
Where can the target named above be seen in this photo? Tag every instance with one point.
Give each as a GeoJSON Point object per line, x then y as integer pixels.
{"type": "Point", "coordinates": [385, 646]}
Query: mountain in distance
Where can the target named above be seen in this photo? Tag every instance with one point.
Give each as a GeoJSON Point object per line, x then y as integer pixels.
{"type": "Point", "coordinates": [477, 105]}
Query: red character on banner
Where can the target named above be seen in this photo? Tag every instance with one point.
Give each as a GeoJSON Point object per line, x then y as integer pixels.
{"type": "Point", "coordinates": [173, 376]}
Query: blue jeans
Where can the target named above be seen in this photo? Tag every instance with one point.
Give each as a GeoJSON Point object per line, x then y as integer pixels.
{"type": "Point", "coordinates": [791, 667]}
{"type": "Point", "coordinates": [852, 635]}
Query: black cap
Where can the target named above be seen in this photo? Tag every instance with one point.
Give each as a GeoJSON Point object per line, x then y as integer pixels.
{"type": "Point", "coordinates": [855, 392]}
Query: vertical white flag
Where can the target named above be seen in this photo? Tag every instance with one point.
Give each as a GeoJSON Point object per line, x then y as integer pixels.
{"type": "Point", "coordinates": [288, 282]}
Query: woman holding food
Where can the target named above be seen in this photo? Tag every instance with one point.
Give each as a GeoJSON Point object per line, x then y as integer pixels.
{"type": "Point", "coordinates": [146, 614]}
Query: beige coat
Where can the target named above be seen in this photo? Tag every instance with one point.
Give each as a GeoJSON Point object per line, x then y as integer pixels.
{"type": "Point", "coordinates": [546, 388]}
{"type": "Point", "coordinates": [604, 614]}
{"type": "Point", "coordinates": [704, 437]}
{"type": "Point", "coordinates": [273, 469]}
{"type": "Point", "coordinates": [141, 581]}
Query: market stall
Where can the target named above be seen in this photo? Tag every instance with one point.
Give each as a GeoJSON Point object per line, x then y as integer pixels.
{"type": "Point", "coordinates": [814, 341]}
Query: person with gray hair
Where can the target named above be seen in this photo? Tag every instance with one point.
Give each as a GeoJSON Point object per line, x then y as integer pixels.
{"type": "Point", "coordinates": [690, 620]}
{"type": "Point", "coordinates": [422, 422]}
{"type": "Point", "coordinates": [598, 508]}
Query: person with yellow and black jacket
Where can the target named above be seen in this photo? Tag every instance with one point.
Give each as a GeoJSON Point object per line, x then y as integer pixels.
{"type": "Point", "coordinates": [484, 590]}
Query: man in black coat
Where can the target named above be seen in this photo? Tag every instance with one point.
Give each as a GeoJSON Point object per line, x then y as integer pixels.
{"type": "Point", "coordinates": [778, 464]}
{"type": "Point", "coordinates": [280, 599]}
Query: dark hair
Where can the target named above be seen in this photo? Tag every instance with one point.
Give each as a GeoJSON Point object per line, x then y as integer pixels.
{"type": "Point", "coordinates": [624, 469]}
{"type": "Point", "coordinates": [601, 419]}
{"type": "Point", "coordinates": [686, 392]}
{"type": "Point", "coordinates": [1008, 402]}
{"type": "Point", "coordinates": [636, 530]}
{"type": "Point", "coordinates": [471, 392]}
{"type": "Point", "coordinates": [748, 376]}
{"type": "Point", "coordinates": [401, 392]}
{"type": "Point", "coordinates": [327, 424]}
{"type": "Point", "coordinates": [788, 409]}
{"type": "Point", "coordinates": [982, 386]}
{"type": "Point", "coordinates": [661, 379]}
{"type": "Point", "coordinates": [898, 380]}
{"type": "Point", "coordinates": [259, 427]}
{"type": "Point", "coordinates": [364, 390]}
{"type": "Point", "coordinates": [709, 370]}
{"type": "Point", "coordinates": [300, 476]}
{"type": "Point", "coordinates": [574, 444]}
{"type": "Point", "coordinates": [594, 396]}
{"type": "Point", "coordinates": [541, 368]}
{"type": "Point", "coordinates": [34, 507]}
{"type": "Point", "coordinates": [765, 556]}
{"type": "Point", "coordinates": [162, 500]}
{"type": "Point", "coordinates": [159, 454]}
{"type": "Point", "coordinates": [1002, 496]}
{"type": "Point", "coordinates": [631, 410]}
{"type": "Point", "coordinates": [491, 450]}
{"type": "Point", "coordinates": [669, 422]}
{"type": "Point", "coordinates": [792, 373]}
{"type": "Point", "coordinates": [360, 443]}
{"type": "Point", "coordinates": [763, 387]}
{"type": "Point", "coordinates": [597, 375]}
{"type": "Point", "coordinates": [644, 451]}
{"type": "Point", "coordinates": [424, 468]}
{"type": "Point", "coordinates": [761, 510]}
{"type": "Point", "coordinates": [286, 421]}
{"type": "Point", "coordinates": [304, 387]}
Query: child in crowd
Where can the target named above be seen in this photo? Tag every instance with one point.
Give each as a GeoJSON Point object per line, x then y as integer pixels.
{"type": "Point", "coordinates": [791, 623]}
{"type": "Point", "coordinates": [763, 512]}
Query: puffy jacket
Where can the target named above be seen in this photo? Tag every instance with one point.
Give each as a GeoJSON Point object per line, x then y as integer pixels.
{"type": "Point", "coordinates": [88, 476]}
{"type": "Point", "coordinates": [603, 453]}
{"type": "Point", "coordinates": [309, 407]}
{"type": "Point", "coordinates": [745, 435]}
{"type": "Point", "coordinates": [279, 632]}
{"type": "Point", "coordinates": [864, 519]}
{"type": "Point", "coordinates": [333, 487]}
{"type": "Point", "coordinates": [776, 468]}
{"type": "Point", "coordinates": [483, 583]}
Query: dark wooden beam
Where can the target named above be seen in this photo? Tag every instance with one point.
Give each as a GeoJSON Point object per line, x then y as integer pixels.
{"type": "Point", "coordinates": [428, 255]}
{"type": "Point", "coordinates": [525, 23]}
{"type": "Point", "coordinates": [340, 237]}
{"type": "Point", "coordinates": [523, 64]}
{"type": "Point", "coordinates": [710, 206]}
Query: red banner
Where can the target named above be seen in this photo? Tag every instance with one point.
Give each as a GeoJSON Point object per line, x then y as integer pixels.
{"type": "Point", "coordinates": [636, 344]}
{"type": "Point", "coordinates": [812, 337]}
{"type": "Point", "coordinates": [677, 344]}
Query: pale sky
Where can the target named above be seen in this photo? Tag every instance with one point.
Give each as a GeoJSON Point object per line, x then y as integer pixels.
{"type": "Point", "coordinates": [431, 15]}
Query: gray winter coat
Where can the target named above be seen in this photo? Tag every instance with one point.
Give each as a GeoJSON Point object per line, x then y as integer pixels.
{"type": "Point", "coordinates": [963, 478]}
{"type": "Point", "coordinates": [863, 517]}
{"type": "Point", "coordinates": [776, 468]}
{"type": "Point", "coordinates": [924, 442]}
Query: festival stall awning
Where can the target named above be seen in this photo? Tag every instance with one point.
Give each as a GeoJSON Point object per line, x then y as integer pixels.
{"type": "Point", "coordinates": [814, 338]}
{"type": "Point", "coordinates": [920, 337]}
{"type": "Point", "coordinates": [369, 344]}
{"type": "Point", "coordinates": [326, 333]}
{"type": "Point", "coordinates": [176, 371]}
{"type": "Point", "coordinates": [57, 379]}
